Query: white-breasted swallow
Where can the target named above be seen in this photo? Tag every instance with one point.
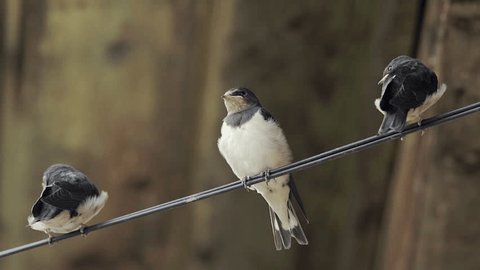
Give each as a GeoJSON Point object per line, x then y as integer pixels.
{"type": "Point", "coordinates": [252, 142]}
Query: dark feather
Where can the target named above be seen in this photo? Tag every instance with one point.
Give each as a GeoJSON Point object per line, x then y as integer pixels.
{"type": "Point", "coordinates": [393, 122]}
{"type": "Point", "coordinates": [387, 94]}
{"type": "Point", "coordinates": [41, 211]}
{"type": "Point", "coordinates": [408, 86]}
{"type": "Point", "coordinates": [295, 196]}
{"type": "Point", "coordinates": [297, 231]}
{"type": "Point", "coordinates": [266, 115]}
{"type": "Point", "coordinates": [413, 90]}
{"type": "Point", "coordinates": [281, 237]}
{"type": "Point", "coordinates": [62, 199]}
{"type": "Point", "coordinates": [67, 196]}
{"type": "Point", "coordinates": [277, 236]}
{"type": "Point", "coordinates": [239, 118]}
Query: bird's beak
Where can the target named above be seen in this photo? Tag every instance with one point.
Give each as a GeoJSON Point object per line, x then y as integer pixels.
{"type": "Point", "coordinates": [383, 79]}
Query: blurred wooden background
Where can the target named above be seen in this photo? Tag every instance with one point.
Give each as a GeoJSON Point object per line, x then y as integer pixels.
{"type": "Point", "coordinates": [129, 93]}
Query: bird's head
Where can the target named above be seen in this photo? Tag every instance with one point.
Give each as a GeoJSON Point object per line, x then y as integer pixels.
{"type": "Point", "coordinates": [58, 171]}
{"type": "Point", "coordinates": [394, 65]}
{"type": "Point", "coordinates": [239, 99]}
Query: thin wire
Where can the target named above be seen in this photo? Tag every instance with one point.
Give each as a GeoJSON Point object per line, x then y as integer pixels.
{"type": "Point", "coordinates": [293, 167]}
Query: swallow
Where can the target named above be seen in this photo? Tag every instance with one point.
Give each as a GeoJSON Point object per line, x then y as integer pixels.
{"type": "Point", "coordinates": [252, 142]}
{"type": "Point", "coordinates": [409, 88]}
{"type": "Point", "coordinates": [67, 202]}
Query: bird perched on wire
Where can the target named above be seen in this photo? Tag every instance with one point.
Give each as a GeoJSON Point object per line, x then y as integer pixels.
{"type": "Point", "coordinates": [408, 89]}
{"type": "Point", "coordinates": [68, 201]}
{"type": "Point", "coordinates": [252, 142]}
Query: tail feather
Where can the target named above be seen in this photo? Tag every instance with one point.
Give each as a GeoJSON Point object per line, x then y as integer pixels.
{"type": "Point", "coordinates": [295, 196]}
{"type": "Point", "coordinates": [281, 237]}
{"type": "Point", "coordinates": [296, 230]}
{"type": "Point", "coordinates": [283, 233]}
{"type": "Point", "coordinates": [393, 122]}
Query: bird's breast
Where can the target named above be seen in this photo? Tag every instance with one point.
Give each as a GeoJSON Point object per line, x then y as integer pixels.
{"type": "Point", "coordinates": [253, 147]}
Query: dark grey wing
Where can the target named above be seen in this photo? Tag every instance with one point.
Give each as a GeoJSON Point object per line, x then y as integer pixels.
{"type": "Point", "coordinates": [239, 118]}
{"type": "Point", "coordinates": [388, 91]}
{"type": "Point", "coordinates": [42, 211]}
{"type": "Point", "coordinates": [415, 88]}
{"type": "Point", "coordinates": [393, 104]}
{"type": "Point", "coordinates": [393, 121]}
{"type": "Point", "coordinates": [68, 196]}
{"type": "Point", "coordinates": [266, 114]}
{"type": "Point", "coordinates": [295, 196]}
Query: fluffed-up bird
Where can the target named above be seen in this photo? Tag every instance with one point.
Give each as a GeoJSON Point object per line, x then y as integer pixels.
{"type": "Point", "coordinates": [409, 88]}
{"type": "Point", "coordinates": [252, 142]}
{"type": "Point", "coordinates": [68, 201]}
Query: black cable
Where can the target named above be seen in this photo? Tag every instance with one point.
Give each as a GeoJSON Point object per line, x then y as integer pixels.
{"type": "Point", "coordinates": [293, 167]}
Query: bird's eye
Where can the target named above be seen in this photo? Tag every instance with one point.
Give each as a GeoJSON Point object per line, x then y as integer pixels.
{"type": "Point", "coordinates": [389, 68]}
{"type": "Point", "coordinates": [240, 93]}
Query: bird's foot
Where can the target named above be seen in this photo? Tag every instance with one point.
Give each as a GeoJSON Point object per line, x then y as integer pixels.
{"type": "Point", "coordinates": [419, 123]}
{"type": "Point", "coordinates": [244, 182]}
{"type": "Point", "coordinates": [419, 120]}
{"type": "Point", "coordinates": [50, 238]}
{"type": "Point", "coordinates": [83, 230]}
{"type": "Point", "coordinates": [266, 176]}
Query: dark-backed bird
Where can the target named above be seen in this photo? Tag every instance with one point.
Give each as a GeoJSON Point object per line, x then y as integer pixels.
{"type": "Point", "coordinates": [252, 142]}
{"type": "Point", "coordinates": [409, 88]}
{"type": "Point", "coordinates": [68, 201]}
